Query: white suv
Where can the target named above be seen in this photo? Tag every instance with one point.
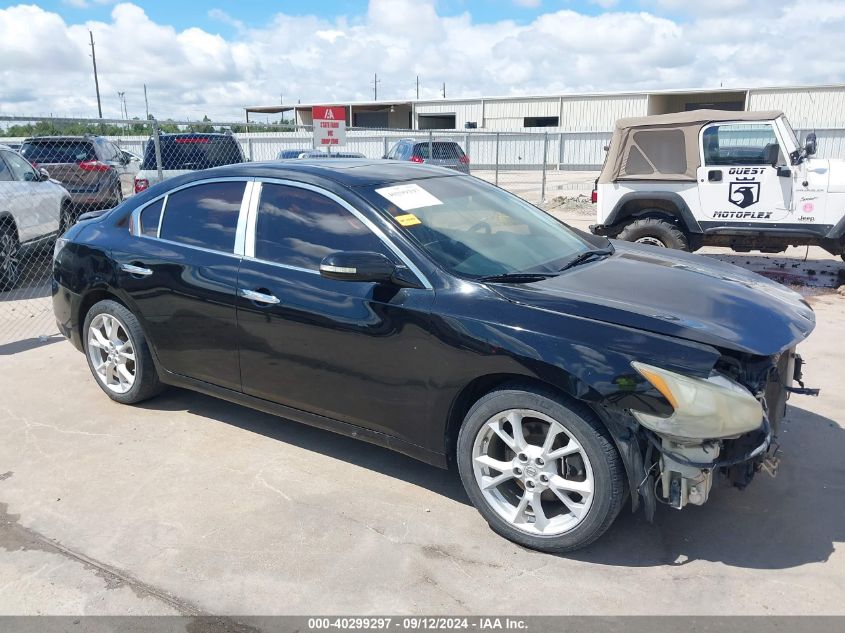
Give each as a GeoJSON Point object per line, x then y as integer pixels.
{"type": "Point", "coordinates": [712, 177]}
{"type": "Point", "coordinates": [33, 209]}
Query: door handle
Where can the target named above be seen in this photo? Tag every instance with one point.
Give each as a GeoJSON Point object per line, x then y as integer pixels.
{"type": "Point", "coordinates": [714, 175]}
{"type": "Point", "coordinates": [138, 271]}
{"type": "Point", "coordinates": [259, 297]}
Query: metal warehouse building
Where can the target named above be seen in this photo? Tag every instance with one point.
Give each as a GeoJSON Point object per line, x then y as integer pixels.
{"type": "Point", "coordinates": [568, 131]}
{"type": "Point", "coordinates": [806, 106]}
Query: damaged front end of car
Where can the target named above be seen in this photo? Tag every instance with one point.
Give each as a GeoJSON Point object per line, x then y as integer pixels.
{"type": "Point", "coordinates": [723, 426]}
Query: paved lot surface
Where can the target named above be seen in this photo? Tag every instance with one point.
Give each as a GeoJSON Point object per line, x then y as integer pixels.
{"type": "Point", "coordinates": [191, 505]}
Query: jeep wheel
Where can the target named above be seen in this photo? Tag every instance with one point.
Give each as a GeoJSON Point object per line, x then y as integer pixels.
{"type": "Point", "coordinates": [655, 232]}
{"type": "Point", "coordinates": [541, 470]}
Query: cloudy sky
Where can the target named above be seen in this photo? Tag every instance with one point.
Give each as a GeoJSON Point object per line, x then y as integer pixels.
{"type": "Point", "coordinates": [215, 57]}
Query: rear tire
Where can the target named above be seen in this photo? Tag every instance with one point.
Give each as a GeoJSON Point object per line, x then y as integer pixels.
{"type": "Point", "coordinates": [655, 232]}
{"type": "Point", "coordinates": [118, 354]}
{"type": "Point", "coordinates": [9, 256]}
{"type": "Point", "coordinates": [576, 477]}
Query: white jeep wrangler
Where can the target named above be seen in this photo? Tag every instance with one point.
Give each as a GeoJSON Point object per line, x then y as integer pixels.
{"type": "Point", "coordinates": [712, 177]}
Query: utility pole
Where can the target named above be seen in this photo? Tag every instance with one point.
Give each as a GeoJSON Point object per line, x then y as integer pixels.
{"type": "Point", "coordinates": [96, 80]}
{"type": "Point", "coordinates": [444, 89]}
{"type": "Point", "coordinates": [375, 87]}
{"type": "Point", "coordinates": [122, 97]}
{"type": "Point", "coordinates": [418, 87]}
{"type": "Point", "coordinates": [146, 103]}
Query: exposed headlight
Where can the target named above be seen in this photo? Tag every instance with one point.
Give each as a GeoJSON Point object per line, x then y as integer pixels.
{"type": "Point", "coordinates": [58, 246]}
{"type": "Point", "coordinates": [703, 408]}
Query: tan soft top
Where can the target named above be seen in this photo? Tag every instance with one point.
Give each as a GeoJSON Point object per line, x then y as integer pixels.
{"type": "Point", "coordinates": [664, 146]}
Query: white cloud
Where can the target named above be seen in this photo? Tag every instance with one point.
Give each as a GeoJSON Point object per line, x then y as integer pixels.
{"type": "Point", "coordinates": [529, 4]}
{"type": "Point", "coordinates": [47, 69]}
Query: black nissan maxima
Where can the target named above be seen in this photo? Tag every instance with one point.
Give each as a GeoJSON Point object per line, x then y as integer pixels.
{"type": "Point", "coordinates": [435, 314]}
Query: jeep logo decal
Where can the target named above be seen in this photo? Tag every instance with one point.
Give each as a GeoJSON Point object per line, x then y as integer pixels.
{"type": "Point", "coordinates": [744, 194]}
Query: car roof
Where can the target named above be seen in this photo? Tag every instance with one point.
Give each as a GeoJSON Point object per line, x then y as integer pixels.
{"type": "Point", "coordinates": [195, 134]}
{"type": "Point", "coordinates": [62, 139]}
{"type": "Point", "coordinates": [349, 172]}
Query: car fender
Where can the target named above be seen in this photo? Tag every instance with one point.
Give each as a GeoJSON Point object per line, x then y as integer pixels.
{"type": "Point", "coordinates": [684, 213]}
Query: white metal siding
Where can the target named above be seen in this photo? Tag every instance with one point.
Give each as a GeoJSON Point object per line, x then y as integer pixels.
{"type": "Point", "coordinates": [599, 114]}
{"type": "Point", "coordinates": [805, 108]}
{"type": "Point", "coordinates": [521, 108]}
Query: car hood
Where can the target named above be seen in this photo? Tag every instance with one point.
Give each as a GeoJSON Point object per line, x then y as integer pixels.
{"type": "Point", "coordinates": [676, 294]}
{"type": "Point", "coordinates": [836, 169]}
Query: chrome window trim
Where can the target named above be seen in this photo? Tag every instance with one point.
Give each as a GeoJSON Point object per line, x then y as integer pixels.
{"type": "Point", "coordinates": [160, 216]}
{"type": "Point", "coordinates": [243, 216]}
{"type": "Point", "coordinates": [253, 216]}
{"type": "Point", "coordinates": [135, 217]}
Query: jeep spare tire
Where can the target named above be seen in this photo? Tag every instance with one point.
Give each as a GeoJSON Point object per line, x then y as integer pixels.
{"type": "Point", "coordinates": [654, 232]}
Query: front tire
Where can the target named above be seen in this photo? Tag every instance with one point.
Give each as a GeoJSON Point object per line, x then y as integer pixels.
{"type": "Point", "coordinates": [9, 257]}
{"type": "Point", "coordinates": [655, 232]}
{"type": "Point", "coordinates": [541, 470]}
{"type": "Point", "coordinates": [118, 354]}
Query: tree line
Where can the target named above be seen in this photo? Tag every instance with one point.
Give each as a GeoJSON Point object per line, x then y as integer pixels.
{"type": "Point", "coordinates": [133, 127]}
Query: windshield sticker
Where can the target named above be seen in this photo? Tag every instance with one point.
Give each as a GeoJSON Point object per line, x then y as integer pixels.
{"type": "Point", "coordinates": [408, 197]}
{"type": "Point", "coordinates": [409, 219]}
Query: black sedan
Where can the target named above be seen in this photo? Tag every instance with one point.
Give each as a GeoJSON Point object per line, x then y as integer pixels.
{"type": "Point", "coordinates": [435, 314]}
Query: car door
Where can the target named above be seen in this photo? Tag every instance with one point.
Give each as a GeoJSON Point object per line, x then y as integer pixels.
{"type": "Point", "coordinates": [352, 351]}
{"type": "Point", "coordinates": [38, 200]}
{"type": "Point", "coordinates": [737, 183]}
{"type": "Point", "coordinates": [178, 266]}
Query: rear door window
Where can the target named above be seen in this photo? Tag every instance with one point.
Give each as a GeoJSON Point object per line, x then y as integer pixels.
{"type": "Point", "coordinates": [205, 215]}
{"type": "Point", "coordinates": [59, 151]}
{"type": "Point", "coordinates": [299, 227]}
{"type": "Point", "coordinates": [150, 217]}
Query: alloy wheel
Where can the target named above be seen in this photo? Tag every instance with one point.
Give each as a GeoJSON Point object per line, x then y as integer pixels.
{"type": "Point", "coordinates": [112, 353]}
{"type": "Point", "coordinates": [651, 241]}
{"type": "Point", "coordinates": [533, 472]}
{"type": "Point", "coordinates": [8, 256]}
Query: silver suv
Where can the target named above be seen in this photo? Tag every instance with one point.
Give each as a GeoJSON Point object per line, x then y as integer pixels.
{"type": "Point", "coordinates": [441, 153]}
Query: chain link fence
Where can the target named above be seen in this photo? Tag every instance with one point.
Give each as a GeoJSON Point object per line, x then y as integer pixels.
{"type": "Point", "coordinates": [54, 170]}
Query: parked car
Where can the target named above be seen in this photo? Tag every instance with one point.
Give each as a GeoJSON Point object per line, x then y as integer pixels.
{"type": "Point", "coordinates": [15, 147]}
{"type": "Point", "coordinates": [317, 153]}
{"type": "Point", "coordinates": [718, 178]}
{"type": "Point", "coordinates": [441, 153]}
{"type": "Point", "coordinates": [440, 316]}
{"type": "Point", "coordinates": [183, 153]}
{"type": "Point", "coordinates": [91, 168]}
{"type": "Point", "coordinates": [287, 154]}
{"type": "Point", "coordinates": [33, 208]}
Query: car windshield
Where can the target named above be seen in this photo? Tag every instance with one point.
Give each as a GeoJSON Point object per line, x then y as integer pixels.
{"type": "Point", "coordinates": [473, 229]}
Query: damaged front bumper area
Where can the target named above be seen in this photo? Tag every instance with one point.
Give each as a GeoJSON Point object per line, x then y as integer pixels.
{"type": "Point", "coordinates": [724, 425]}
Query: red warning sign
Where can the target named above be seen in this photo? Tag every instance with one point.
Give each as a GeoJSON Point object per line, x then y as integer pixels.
{"type": "Point", "coordinates": [329, 125]}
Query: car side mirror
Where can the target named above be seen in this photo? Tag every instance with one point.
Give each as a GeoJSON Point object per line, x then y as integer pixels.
{"type": "Point", "coordinates": [366, 266]}
{"type": "Point", "coordinates": [771, 153]}
{"type": "Point", "coordinates": [811, 144]}
{"type": "Point", "coordinates": [43, 175]}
